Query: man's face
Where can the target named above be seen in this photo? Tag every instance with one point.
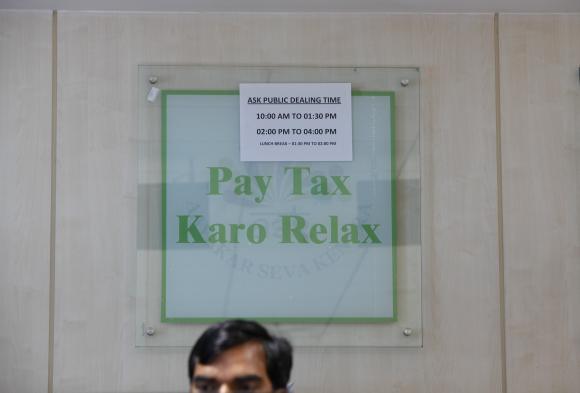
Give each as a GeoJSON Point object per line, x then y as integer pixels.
{"type": "Point", "coordinates": [239, 369]}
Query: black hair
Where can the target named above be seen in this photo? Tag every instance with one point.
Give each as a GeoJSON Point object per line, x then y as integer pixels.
{"type": "Point", "coordinates": [228, 334]}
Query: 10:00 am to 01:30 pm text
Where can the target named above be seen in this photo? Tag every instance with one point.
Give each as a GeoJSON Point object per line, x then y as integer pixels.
{"type": "Point", "coordinates": [296, 116]}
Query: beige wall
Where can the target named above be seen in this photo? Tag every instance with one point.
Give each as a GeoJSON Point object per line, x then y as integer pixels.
{"type": "Point", "coordinates": [540, 98]}
{"type": "Point", "coordinates": [96, 191]}
{"type": "Point", "coordinates": [25, 173]}
{"type": "Point", "coordinates": [98, 58]}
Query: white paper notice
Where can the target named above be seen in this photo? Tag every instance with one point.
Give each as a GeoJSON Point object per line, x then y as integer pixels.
{"type": "Point", "coordinates": [295, 122]}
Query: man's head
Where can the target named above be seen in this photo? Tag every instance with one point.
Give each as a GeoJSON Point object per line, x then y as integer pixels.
{"type": "Point", "coordinates": [239, 356]}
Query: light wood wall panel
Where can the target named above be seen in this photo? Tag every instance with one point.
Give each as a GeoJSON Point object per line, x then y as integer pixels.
{"type": "Point", "coordinates": [25, 148]}
{"type": "Point", "coordinates": [97, 155]}
{"type": "Point", "coordinates": [540, 105]}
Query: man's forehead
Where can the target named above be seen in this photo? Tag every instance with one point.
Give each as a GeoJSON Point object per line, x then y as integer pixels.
{"type": "Point", "coordinates": [245, 359]}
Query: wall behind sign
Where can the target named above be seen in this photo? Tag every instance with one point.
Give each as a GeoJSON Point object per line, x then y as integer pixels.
{"type": "Point", "coordinates": [98, 54]}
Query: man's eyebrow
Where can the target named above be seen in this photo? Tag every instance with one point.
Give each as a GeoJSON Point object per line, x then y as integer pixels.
{"type": "Point", "coordinates": [248, 378]}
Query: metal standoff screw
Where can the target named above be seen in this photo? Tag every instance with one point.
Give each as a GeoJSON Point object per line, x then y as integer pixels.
{"type": "Point", "coordinates": [405, 82]}
{"type": "Point", "coordinates": [150, 331]}
{"type": "Point", "coordinates": [153, 80]}
{"type": "Point", "coordinates": [407, 331]}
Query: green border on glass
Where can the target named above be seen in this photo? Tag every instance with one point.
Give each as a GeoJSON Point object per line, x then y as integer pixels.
{"type": "Point", "coordinates": [341, 320]}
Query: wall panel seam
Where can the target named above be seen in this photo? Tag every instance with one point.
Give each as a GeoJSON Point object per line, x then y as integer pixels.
{"type": "Point", "coordinates": [501, 266]}
{"type": "Point", "coordinates": [51, 294]}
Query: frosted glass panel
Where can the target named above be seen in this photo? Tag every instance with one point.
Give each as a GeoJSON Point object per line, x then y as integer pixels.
{"type": "Point", "coordinates": [325, 253]}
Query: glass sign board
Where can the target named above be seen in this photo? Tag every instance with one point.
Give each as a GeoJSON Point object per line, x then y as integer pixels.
{"type": "Point", "coordinates": [327, 253]}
